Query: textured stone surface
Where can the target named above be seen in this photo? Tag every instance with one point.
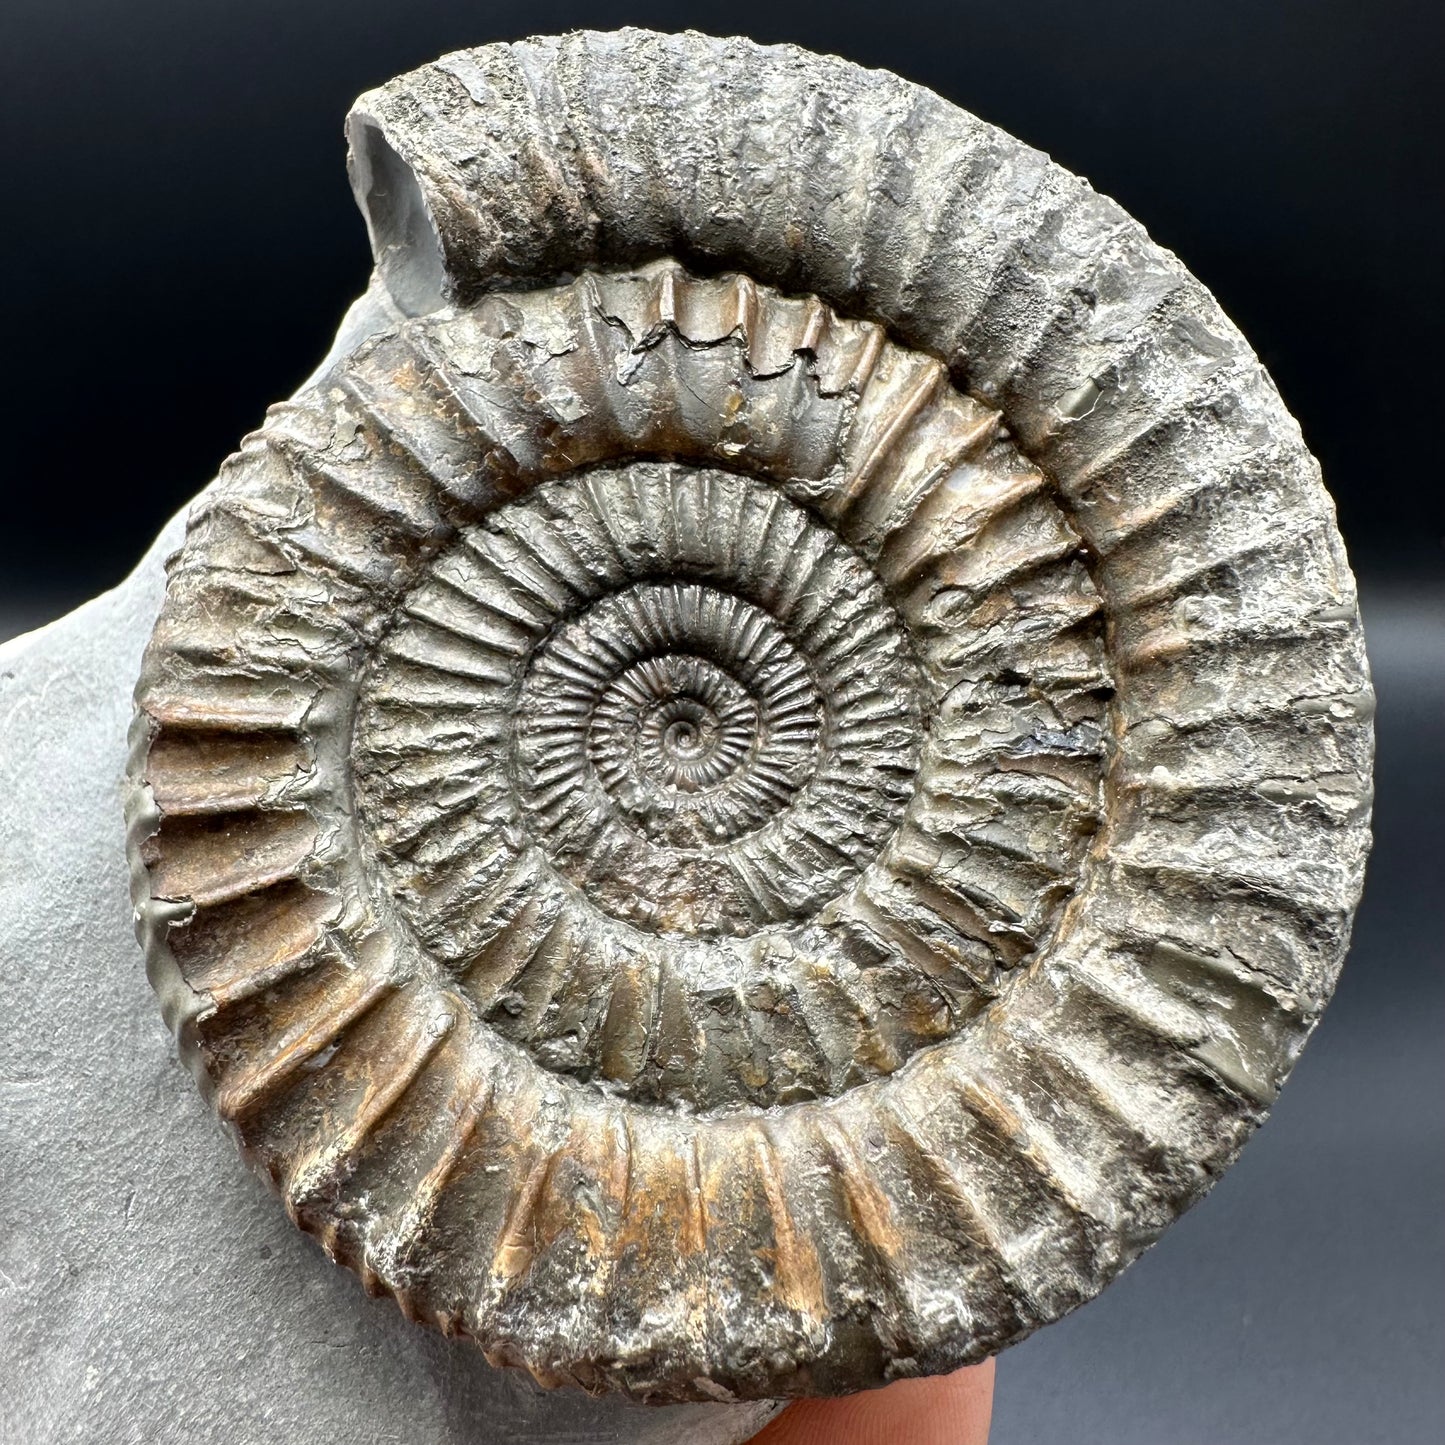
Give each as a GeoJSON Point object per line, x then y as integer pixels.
{"type": "Point", "coordinates": [150, 1290]}
{"type": "Point", "coordinates": [715, 933]}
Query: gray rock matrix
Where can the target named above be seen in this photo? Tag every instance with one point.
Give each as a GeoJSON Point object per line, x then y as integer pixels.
{"type": "Point", "coordinates": [763, 776]}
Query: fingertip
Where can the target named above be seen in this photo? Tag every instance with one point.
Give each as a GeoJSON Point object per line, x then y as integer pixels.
{"type": "Point", "coordinates": [943, 1410]}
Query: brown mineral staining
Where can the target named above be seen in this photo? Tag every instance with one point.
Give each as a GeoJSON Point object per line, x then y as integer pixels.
{"type": "Point", "coordinates": [748, 826]}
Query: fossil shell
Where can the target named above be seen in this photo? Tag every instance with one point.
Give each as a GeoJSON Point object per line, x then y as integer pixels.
{"type": "Point", "coordinates": [752, 796]}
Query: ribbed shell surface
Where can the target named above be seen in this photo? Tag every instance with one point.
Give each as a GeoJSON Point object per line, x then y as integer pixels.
{"type": "Point", "coordinates": [753, 797]}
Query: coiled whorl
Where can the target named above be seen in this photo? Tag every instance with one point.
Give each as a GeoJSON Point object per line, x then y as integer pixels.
{"type": "Point", "coordinates": [755, 791]}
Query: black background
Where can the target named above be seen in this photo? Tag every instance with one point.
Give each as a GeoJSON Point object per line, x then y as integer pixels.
{"type": "Point", "coordinates": [178, 243]}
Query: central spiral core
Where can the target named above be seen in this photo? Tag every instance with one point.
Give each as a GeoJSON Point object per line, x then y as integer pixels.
{"type": "Point", "coordinates": [691, 725]}
{"type": "Point", "coordinates": [700, 754]}
{"type": "Point", "coordinates": [659, 726]}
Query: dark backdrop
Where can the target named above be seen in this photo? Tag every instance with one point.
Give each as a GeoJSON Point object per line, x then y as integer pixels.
{"type": "Point", "coordinates": [178, 243]}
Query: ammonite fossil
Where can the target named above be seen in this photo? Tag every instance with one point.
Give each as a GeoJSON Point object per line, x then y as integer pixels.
{"type": "Point", "coordinates": [760, 780]}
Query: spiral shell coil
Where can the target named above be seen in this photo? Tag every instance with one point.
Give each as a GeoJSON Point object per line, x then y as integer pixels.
{"type": "Point", "coordinates": [757, 790]}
